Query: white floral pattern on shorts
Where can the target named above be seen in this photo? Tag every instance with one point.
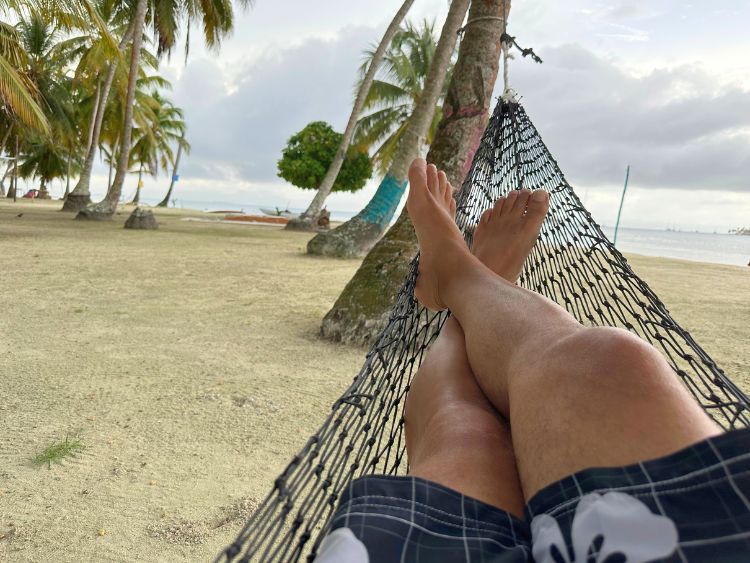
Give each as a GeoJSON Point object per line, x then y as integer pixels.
{"type": "Point", "coordinates": [610, 527]}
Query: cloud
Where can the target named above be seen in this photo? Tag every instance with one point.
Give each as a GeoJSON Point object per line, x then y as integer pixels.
{"type": "Point", "coordinates": [672, 125]}
{"type": "Point", "coordinates": [239, 132]}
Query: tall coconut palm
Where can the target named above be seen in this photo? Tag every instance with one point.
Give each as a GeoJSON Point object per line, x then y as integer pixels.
{"type": "Point", "coordinates": [359, 234]}
{"type": "Point", "coordinates": [394, 96]}
{"type": "Point", "coordinates": [106, 208]}
{"type": "Point", "coordinates": [308, 219]}
{"type": "Point", "coordinates": [98, 68]}
{"type": "Point", "coordinates": [363, 307]}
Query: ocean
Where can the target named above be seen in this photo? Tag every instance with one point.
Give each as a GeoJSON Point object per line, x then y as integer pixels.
{"type": "Point", "coordinates": [699, 247]}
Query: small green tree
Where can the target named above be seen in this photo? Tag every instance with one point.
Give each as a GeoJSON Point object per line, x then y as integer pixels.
{"type": "Point", "coordinates": [309, 153]}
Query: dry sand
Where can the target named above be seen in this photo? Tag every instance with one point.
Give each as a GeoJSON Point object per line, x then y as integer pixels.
{"type": "Point", "coordinates": [187, 362]}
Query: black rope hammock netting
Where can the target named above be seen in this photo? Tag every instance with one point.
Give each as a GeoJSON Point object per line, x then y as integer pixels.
{"type": "Point", "coordinates": [574, 264]}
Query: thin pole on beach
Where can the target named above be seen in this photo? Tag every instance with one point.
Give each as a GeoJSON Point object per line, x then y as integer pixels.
{"type": "Point", "coordinates": [622, 201]}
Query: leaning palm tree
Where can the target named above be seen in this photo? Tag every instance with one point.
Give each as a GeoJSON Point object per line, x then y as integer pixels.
{"type": "Point", "coordinates": [182, 145]}
{"type": "Point", "coordinates": [394, 96]}
{"type": "Point", "coordinates": [308, 219]}
{"type": "Point", "coordinates": [359, 234]}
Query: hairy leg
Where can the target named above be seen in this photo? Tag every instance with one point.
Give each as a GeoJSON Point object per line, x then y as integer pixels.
{"type": "Point", "coordinates": [576, 397]}
{"type": "Point", "coordinates": [454, 436]}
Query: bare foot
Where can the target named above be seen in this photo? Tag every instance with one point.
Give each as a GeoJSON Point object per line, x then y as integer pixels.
{"type": "Point", "coordinates": [432, 210]}
{"type": "Point", "coordinates": [507, 232]}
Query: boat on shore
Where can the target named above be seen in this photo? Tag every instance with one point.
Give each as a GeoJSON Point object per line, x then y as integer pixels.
{"type": "Point", "coordinates": [273, 220]}
{"type": "Point", "coordinates": [276, 212]}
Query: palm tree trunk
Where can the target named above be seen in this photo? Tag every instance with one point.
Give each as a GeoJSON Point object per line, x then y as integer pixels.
{"type": "Point", "coordinates": [106, 208]}
{"type": "Point", "coordinates": [111, 164]}
{"type": "Point", "coordinates": [3, 178]}
{"type": "Point", "coordinates": [363, 308]}
{"type": "Point", "coordinates": [90, 138]}
{"type": "Point", "coordinates": [165, 201]}
{"type": "Point", "coordinates": [67, 177]}
{"type": "Point", "coordinates": [137, 196]}
{"type": "Point", "coordinates": [15, 171]}
{"type": "Point", "coordinates": [359, 234]}
{"type": "Point", "coordinates": [308, 220]}
{"type": "Point", "coordinates": [5, 138]}
{"type": "Point", "coordinates": [10, 163]}
{"type": "Point", "coordinates": [80, 197]}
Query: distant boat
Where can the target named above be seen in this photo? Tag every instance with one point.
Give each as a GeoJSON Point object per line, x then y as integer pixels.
{"type": "Point", "coordinates": [276, 212]}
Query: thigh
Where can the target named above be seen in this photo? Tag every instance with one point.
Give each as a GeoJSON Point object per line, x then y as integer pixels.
{"type": "Point", "coordinates": [454, 435]}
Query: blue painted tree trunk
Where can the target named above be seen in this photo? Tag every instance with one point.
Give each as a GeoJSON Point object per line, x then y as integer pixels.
{"type": "Point", "coordinates": [383, 205]}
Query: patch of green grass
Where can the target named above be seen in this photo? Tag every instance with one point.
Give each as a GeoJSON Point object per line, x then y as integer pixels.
{"type": "Point", "coordinates": [57, 451]}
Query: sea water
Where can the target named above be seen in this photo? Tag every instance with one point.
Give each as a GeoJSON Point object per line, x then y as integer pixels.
{"type": "Point", "coordinates": [700, 247]}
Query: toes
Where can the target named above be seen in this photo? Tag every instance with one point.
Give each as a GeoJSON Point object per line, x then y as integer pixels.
{"type": "Point", "coordinates": [499, 204]}
{"type": "Point", "coordinates": [418, 173]}
{"type": "Point", "coordinates": [537, 206]}
{"type": "Point", "coordinates": [452, 206]}
{"type": "Point", "coordinates": [442, 181]}
{"type": "Point", "coordinates": [484, 219]}
{"type": "Point", "coordinates": [432, 180]}
{"type": "Point", "coordinates": [510, 201]}
{"type": "Point", "coordinates": [519, 208]}
{"type": "Point", "coordinates": [445, 187]}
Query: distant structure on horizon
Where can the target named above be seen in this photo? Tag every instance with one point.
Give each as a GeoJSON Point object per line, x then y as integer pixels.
{"type": "Point", "coordinates": [741, 231]}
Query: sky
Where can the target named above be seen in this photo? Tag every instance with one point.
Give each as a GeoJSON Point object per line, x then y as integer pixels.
{"type": "Point", "coordinates": [663, 86]}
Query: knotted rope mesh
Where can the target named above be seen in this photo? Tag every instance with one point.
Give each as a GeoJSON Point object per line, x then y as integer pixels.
{"type": "Point", "coordinates": [573, 263]}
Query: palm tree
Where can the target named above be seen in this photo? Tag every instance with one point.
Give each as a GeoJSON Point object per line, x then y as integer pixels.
{"type": "Point", "coordinates": [363, 307]}
{"type": "Point", "coordinates": [98, 68]}
{"type": "Point", "coordinates": [46, 152]}
{"type": "Point", "coordinates": [217, 18]}
{"type": "Point", "coordinates": [359, 234]}
{"type": "Point", "coordinates": [17, 92]}
{"type": "Point", "coordinates": [308, 219]}
{"type": "Point", "coordinates": [393, 97]}
{"type": "Point", "coordinates": [152, 149]}
{"type": "Point", "coordinates": [181, 145]}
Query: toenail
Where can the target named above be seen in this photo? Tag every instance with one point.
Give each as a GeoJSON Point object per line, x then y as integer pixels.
{"type": "Point", "coordinates": [539, 195]}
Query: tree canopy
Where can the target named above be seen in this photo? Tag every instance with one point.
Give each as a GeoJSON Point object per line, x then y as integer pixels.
{"type": "Point", "coordinates": [309, 153]}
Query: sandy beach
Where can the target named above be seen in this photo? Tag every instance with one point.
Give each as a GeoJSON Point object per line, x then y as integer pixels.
{"type": "Point", "coordinates": [187, 363]}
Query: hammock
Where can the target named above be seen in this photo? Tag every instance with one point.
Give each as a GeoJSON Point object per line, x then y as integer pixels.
{"type": "Point", "coordinates": [573, 264]}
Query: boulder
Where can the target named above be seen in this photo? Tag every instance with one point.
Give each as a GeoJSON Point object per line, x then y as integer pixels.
{"type": "Point", "coordinates": [141, 219]}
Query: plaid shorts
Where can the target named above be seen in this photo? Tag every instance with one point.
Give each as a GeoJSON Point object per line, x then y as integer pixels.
{"type": "Point", "coordinates": [689, 506]}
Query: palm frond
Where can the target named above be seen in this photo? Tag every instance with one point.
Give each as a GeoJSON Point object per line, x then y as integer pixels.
{"type": "Point", "coordinates": [15, 93]}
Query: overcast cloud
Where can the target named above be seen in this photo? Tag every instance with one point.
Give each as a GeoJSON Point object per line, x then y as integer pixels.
{"type": "Point", "coordinates": [622, 83]}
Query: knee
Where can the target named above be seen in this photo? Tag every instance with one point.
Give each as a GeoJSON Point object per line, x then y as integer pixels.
{"type": "Point", "coordinates": [455, 428]}
{"type": "Point", "coordinates": [607, 359]}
